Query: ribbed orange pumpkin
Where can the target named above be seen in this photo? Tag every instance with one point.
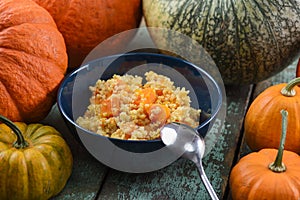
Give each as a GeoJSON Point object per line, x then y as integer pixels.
{"type": "Point", "coordinates": [33, 60]}
{"type": "Point", "coordinates": [262, 124]}
{"type": "Point", "coordinates": [86, 23]}
{"type": "Point", "coordinates": [258, 176]}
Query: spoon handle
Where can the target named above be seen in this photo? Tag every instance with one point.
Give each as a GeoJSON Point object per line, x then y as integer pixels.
{"type": "Point", "coordinates": [206, 182]}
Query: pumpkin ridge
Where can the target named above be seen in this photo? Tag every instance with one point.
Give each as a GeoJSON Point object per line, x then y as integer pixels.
{"type": "Point", "coordinates": [17, 165]}
{"type": "Point", "coordinates": [173, 22]}
{"type": "Point", "coordinates": [181, 11]}
{"type": "Point", "coordinates": [4, 157]}
{"type": "Point", "coordinates": [295, 181]}
{"type": "Point", "coordinates": [65, 13]}
{"type": "Point", "coordinates": [265, 179]}
{"type": "Point", "coordinates": [30, 131]}
{"type": "Point", "coordinates": [240, 28]}
{"type": "Point", "coordinates": [32, 55]}
{"type": "Point", "coordinates": [42, 51]}
{"type": "Point", "coordinates": [256, 185]}
{"type": "Point", "coordinates": [250, 139]}
{"type": "Point", "coordinates": [15, 99]}
{"type": "Point", "coordinates": [268, 26]}
{"type": "Point", "coordinates": [292, 182]}
{"type": "Point", "coordinates": [54, 141]}
{"type": "Point", "coordinates": [297, 114]}
{"type": "Point", "coordinates": [15, 18]}
{"type": "Point", "coordinates": [27, 23]}
{"type": "Point", "coordinates": [9, 96]}
{"type": "Point", "coordinates": [42, 131]}
{"type": "Point", "coordinates": [266, 108]}
{"type": "Point", "coordinates": [36, 163]}
{"type": "Point", "coordinates": [206, 24]}
{"type": "Point", "coordinates": [55, 160]}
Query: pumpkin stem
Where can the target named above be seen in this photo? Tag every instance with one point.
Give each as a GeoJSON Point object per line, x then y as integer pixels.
{"type": "Point", "coordinates": [288, 90]}
{"type": "Point", "coordinates": [20, 142]}
{"type": "Point", "coordinates": [277, 165]}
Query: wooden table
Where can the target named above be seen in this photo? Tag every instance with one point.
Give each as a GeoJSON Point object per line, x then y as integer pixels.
{"type": "Point", "coordinates": [92, 180]}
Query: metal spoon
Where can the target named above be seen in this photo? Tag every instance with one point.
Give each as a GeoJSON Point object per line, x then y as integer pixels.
{"type": "Point", "coordinates": [184, 141]}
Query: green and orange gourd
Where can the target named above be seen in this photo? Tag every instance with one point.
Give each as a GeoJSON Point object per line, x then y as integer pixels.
{"type": "Point", "coordinates": [35, 161]}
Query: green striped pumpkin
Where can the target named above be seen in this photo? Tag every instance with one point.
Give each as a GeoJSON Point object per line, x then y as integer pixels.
{"type": "Point", "coordinates": [248, 40]}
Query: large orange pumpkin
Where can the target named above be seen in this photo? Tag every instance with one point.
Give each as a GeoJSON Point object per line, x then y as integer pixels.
{"type": "Point", "coordinates": [85, 24]}
{"type": "Point", "coordinates": [33, 60]}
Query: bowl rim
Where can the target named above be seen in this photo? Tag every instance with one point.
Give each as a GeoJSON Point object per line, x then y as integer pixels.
{"type": "Point", "coordinates": [86, 65]}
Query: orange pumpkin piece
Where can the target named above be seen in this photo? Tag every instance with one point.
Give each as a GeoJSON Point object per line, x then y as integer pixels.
{"type": "Point", "coordinates": [158, 113]}
{"type": "Point", "coordinates": [146, 96]}
{"type": "Point", "coordinates": [110, 107]}
{"type": "Point", "coordinates": [255, 176]}
{"type": "Point", "coordinates": [86, 23]}
{"type": "Point", "coordinates": [262, 124]}
{"type": "Point", "coordinates": [33, 60]}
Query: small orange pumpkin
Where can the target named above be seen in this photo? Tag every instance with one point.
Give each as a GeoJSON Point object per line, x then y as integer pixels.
{"type": "Point", "coordinates": [86, 23]}
{"type": "Point", "coordinates": [33, 60]}
{"type": "Point", "coordinates": [262, 124]}
{"type": "Point", "coordinates": [255, 176]}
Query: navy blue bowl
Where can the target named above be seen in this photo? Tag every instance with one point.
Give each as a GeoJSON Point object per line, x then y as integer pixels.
{"type": "Point", "coordinates": [73, 94]}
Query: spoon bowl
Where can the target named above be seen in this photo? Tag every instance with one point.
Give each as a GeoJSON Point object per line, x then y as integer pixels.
{"type": "Point", "coordinates": [184, 141]}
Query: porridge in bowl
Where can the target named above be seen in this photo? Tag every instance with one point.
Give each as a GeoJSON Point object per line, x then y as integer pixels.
{"type": "Point", "coordinates": [123, 107]}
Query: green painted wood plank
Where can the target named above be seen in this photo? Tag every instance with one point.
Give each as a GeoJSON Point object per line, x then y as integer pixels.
{"type": "Point", "coordinates": [180, 180]}
{"type": "Point", "coordinates": [87, 174]}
